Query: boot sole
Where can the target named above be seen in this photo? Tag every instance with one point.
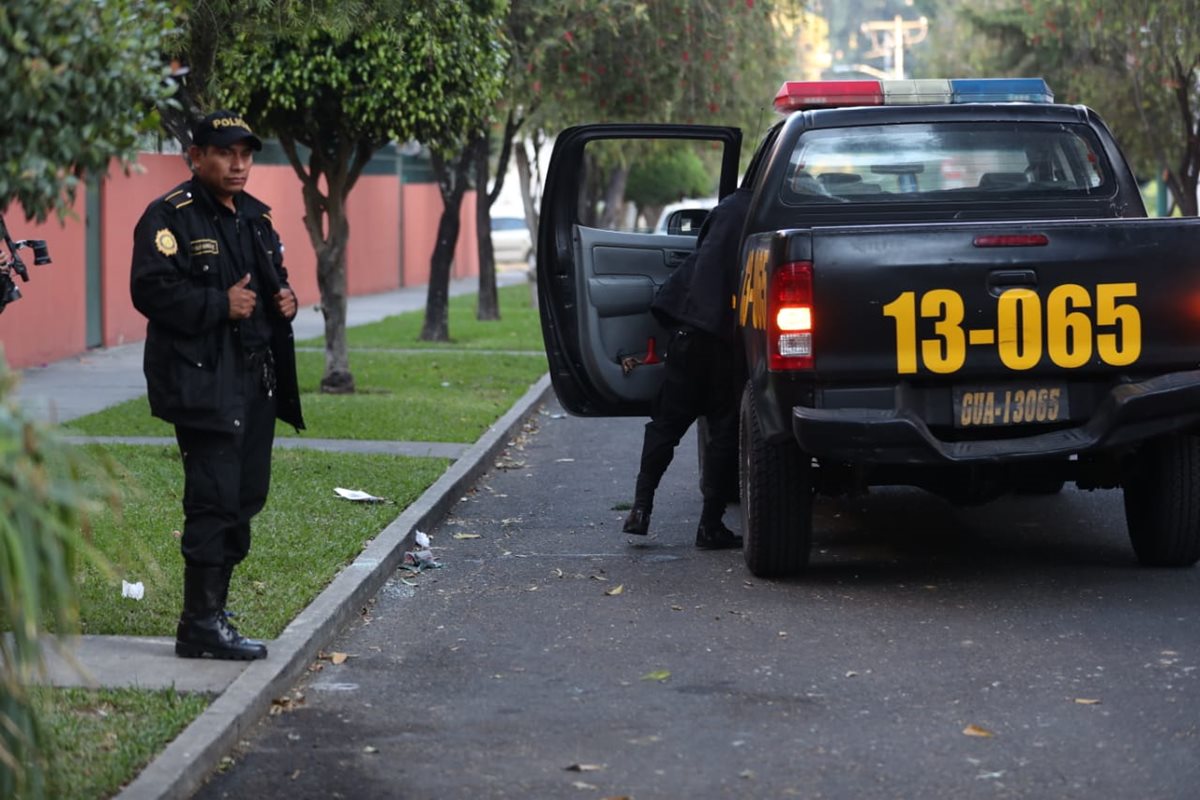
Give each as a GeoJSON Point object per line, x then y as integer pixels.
{"type": "Point", "coordinates": [195, 651]}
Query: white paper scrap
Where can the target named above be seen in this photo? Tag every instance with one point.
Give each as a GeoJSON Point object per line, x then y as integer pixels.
{"type": "Point", "coordinates": [134, 590]}
{"type": "Point", "coordinates": [422, 540]}
{"type": "Point", "coordinates": [357, 496]}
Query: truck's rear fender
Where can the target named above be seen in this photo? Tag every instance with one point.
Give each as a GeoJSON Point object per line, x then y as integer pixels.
{"type": "Point", "coordinates": [773, 393]}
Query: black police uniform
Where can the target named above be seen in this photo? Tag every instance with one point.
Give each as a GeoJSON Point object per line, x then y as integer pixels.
{"type": "Point", "coordinates": [696, 304]}
{"type": "Point", "coordinates": [221, 382]}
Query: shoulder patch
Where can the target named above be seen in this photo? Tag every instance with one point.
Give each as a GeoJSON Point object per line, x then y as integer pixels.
{"type": "Point", "coordinates": [165, 242]}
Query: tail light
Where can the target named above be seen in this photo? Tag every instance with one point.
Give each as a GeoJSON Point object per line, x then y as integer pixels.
{"type": "Point", "coordinates": [790, 317]}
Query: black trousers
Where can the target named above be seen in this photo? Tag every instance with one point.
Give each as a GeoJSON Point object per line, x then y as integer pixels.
{"type": "Point", "coordinates": [699, 382]}
{"type": "Point", "coordinates": [225, 480]}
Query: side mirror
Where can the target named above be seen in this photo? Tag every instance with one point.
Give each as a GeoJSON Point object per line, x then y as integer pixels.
{"type": "Point", "coordinates": [686, 221]}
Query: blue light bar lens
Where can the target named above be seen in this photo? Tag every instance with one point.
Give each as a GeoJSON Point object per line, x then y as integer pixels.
{"type": "Point", "coordinates": [1000, 90]}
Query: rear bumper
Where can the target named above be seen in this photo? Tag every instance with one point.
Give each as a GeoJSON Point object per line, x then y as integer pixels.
{"type": "Point", "coordinates": [1132, 412]}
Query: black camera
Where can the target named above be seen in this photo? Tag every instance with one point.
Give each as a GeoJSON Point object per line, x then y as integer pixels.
{"type": "Point", "coordinates": [13, 263]}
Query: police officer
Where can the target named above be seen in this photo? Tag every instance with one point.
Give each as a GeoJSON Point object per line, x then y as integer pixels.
{"type": "Point", "coordinates": [219, 363]}
{"type": "Point", "coordinates": [696, 304]}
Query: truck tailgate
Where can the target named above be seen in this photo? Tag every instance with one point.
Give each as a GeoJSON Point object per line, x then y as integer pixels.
{"type": "Point", "coordinates": [1005, 301]}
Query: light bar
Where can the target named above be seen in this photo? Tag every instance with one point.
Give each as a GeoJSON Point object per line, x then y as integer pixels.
{"type": "Point", "coordinates": [797, 95]}
{"type": "Point", "coordinates": [1001, 90]}
{"type": "Point", "coordinates": [803, 95]}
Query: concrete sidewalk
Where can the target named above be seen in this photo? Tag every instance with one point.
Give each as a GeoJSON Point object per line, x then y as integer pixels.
{"type": "Point", "coordinates": [74, 387]}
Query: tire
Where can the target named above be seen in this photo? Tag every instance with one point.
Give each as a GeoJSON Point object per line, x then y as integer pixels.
{"type": "Point", "coordinates": [777, 499]}
{"type": "Point", "coordinates": [1162, 501]}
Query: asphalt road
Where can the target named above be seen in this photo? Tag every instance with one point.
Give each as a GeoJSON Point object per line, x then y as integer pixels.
{"type": "Point", "coordinates": [660, 671]}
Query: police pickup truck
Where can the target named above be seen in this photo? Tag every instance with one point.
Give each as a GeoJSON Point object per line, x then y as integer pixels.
{"type": "Point", "coordinates": [944, 284]}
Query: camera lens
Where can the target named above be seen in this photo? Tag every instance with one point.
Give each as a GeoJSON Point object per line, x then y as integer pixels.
{"type": "Point", "coordinates": [41, 253]}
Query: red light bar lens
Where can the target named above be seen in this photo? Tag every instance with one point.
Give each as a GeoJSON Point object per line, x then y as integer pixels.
{"type": "Point", "coordinates": [797, 95]}
{"type": "Point", "coordinates": [1013, 240]}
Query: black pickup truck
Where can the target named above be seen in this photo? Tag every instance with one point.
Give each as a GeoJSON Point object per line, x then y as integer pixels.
{"type": "Point", "coordinates": [943, 284]}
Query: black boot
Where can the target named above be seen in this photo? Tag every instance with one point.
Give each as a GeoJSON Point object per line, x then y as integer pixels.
{"type": "Point", "coordinates": [203, 629]}
{"type": "Point", "coordinates": [715, 536]}
{"type": "Point", "coordinates": [712, 534]}
{"type": "Point", "coordinates": [638, 521]}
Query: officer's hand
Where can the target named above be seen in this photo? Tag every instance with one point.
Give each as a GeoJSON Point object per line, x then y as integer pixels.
{"type": "Point", "coordinates": [285, 301]}
{"type": "Point", "coordinates": [241, 299]}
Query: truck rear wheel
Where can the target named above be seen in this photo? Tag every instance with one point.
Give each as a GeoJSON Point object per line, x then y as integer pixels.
{"type": "Point", "coordinates": [777, 497]}
{"type": "Point", "coordinates": [1162, 501]}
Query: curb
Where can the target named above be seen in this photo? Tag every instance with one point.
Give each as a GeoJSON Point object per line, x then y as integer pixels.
{"type": "Point", "coordinates": [181, 768]}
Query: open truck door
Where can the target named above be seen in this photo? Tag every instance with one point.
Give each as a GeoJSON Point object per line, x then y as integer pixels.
{"type": "Point", "coordinates": [599, 261]}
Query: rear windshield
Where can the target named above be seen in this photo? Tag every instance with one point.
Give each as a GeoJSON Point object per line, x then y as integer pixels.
{"type": "Point", "coordinates": [946, 161]}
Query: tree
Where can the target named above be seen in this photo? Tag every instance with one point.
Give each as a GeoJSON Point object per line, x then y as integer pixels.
{"type": "Point", "coordinates": [575, 61]}
{"type": "Point", "coordinates": [1137, 63]}
{"type": "Point", "coordinates": [333, 98]}
{"type": "Point", "coordinates": [464, 56]}
{"type": "Point", "coordinates": [658, 180]}
{"type": "Point", "coordinates": [82, 82]}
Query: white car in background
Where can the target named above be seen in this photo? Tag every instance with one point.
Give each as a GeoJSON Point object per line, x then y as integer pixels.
{"type": "Point", "coordinates": [511, 240]}
{"type": "Point", "coordinates": [687, 224]}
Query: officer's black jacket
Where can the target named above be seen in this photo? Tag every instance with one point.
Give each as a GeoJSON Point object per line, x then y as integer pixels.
{"type": "Point", "coordinates": [699, 292]}
{"type": "Point", "coordinates": [179, 280]}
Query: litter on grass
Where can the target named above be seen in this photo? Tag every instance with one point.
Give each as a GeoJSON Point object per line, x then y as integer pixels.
{"type": "Point", "coordinates": [133, 590]}
{"type": "Point", "coordinates": [358, 496]}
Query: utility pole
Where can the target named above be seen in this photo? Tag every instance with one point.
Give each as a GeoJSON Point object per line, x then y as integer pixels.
{"type": "Point", "coordinates": [889, 38]}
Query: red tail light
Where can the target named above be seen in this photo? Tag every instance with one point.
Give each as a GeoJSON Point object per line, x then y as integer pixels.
{"type": "Point", "coordinates": [790, 317]}
{"type": "Point", "coordinates": [1013, 240]}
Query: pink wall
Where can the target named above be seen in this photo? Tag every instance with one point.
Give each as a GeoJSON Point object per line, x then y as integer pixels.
{"type": "Point", "coordinates": [374, 250]}
{"type": "Point", "coordinates": [49, 322]}
{"type": "Point", "coordinates": [422, 211]}
{"type": "Point", "coordinates": [390, 224]}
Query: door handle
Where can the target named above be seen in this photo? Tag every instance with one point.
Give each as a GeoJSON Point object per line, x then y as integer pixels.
{"type": "Point", "coordinates": [674, 258]}
{"type": "Point", "coordinates": [1001, 280]}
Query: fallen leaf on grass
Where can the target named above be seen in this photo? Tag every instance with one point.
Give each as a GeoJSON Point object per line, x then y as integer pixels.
{"type": "Point", "coordinates": [616, 590]}
{"type": "Point", "coordinates": [467, 536]}
{"type": "Point", "coordinates": [1086, 701]}
{"type": "Point", "coordinates": [659, 675]}
{"type": "Point", "coordinates": [584, 768]}
{"type": "Point", "coordinates": [975, 730]}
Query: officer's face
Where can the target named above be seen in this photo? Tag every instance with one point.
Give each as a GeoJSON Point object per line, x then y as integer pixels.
{"type": "Point", "coordinates": [223, 169]}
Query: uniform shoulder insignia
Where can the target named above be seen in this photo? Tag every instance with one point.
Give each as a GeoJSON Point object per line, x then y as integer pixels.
{"type": "Point", "coordinates": [164, 240]}
{"type": "Point", "coordinates": [179, 198]}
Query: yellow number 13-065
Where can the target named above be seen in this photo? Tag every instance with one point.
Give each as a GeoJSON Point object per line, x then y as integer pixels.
{"type": "Point", "coordinates": [1064, 329]}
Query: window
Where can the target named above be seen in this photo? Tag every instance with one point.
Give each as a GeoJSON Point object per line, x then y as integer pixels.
{"type": "Point", "coordinates": [987, 162]}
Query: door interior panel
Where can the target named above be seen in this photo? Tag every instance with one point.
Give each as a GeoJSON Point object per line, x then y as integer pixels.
{"type": "Point", "coordinates": [622, 272]}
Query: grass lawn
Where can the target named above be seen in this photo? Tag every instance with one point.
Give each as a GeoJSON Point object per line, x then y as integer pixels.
{"type": "Point", "coordinates": [300, 540]}
{"type": "Point", "coordinates": [100, 739]}
{"type": "Point", "coordinates": [519, 327]}
{"type": "Point", "coordinates": [434, 397]}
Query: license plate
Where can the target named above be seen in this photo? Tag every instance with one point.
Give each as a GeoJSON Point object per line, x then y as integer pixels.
{"type": "Point", "coordinates": [1010, 404]}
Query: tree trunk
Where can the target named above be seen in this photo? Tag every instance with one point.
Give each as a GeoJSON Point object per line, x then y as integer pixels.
{"type": "Point", "coordinates": [525, 176]}
{"type": "Point", "coordinates": [487, 307]}
{"type": "Point", "coordinates": [329, 232]}
{"type": "Point", "coordinates": [331, 281]}
{"type": "Point", "coordinates": [614, 199]}
{"type": "Point", "coordinates": [452, 183]}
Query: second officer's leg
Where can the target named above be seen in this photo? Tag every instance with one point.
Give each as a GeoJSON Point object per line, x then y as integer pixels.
{"type": "Point", "coordinates": [675, 409]}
